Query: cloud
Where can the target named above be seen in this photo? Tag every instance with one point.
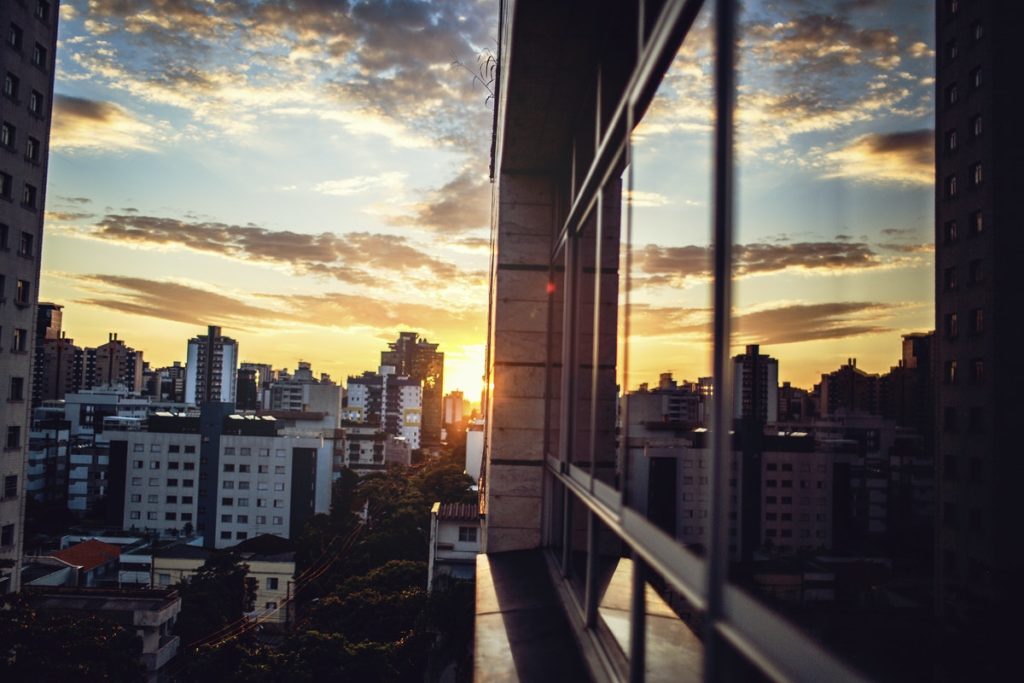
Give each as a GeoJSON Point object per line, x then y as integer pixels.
{"type": "Point", "coordinates": [358, 184]}
{"type": "Point", "coordinates": [643, 199]}
{"type": "Point", "coordinates": [460, 205]}
{"type": "Point", "coordinates": [194, 305]}
{"type": "Point", "coordinates": [84, 124]}
{"type": "Point", "coordinates": [789, 324]}
{"type": "Point", "coordinates": [385, 66]}
{"type": "Point", "coordinates": [357, 258]}
{"type": "Point", "coordinates": [906, 157]}
{"type": "Point", "coordinates": [659, 265]}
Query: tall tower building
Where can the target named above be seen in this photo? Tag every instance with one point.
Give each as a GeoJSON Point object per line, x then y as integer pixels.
{"type": "Point", "coordinates": [27, 66]}
{"type": "Point", "coordinates": [420, 360]}
{"type": "Point", "coordinates": [979, 297]}
{"type": "Point", "coordinates": [48, 327]}
{"type": "Point", "coordinates": [117, 363]}
{"type": "Point", "coordinates": [756, 393]}
{"type": "Point", "coordinates": [211, 369]}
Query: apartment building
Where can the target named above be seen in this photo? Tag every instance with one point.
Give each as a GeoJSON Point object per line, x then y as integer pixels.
{"type": "Point", "coordinates": [211, 368]}
{"type": "Point", "coordinates": [226, 476]}
{"type": "Point", "coordinates": [29, 51]}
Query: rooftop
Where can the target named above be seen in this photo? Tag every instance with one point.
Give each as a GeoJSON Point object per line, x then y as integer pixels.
{"type": "Point", "coordinates": [89, 554]}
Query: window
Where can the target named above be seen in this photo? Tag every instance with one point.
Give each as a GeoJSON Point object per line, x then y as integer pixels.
{"type": "Point", "coordinates": [135, 498]}
{"type": "Point", "coordinates": [225, 535]}
{"type": "Point", "coordinates": [951, 187]}
{"type": "Point", "coordinates": [134, 514]}
{"type": "Point", "coordinates": [4, 230]}
{"type": "Point", "coordinates": [14, 437]}
{"type": "Point", "coordinates": [6, 182]}
{"type": "Point", "coordinates": [190, 449]}
{"type": "Point", "coordinates": [42, 10]}
{"type": "Point", "coordinates": [978, 31]}
{"type": "Point", "coordinates": [977, 223]}
{"type": "Point", "coordinates": [279, 486]}
{"type": "Point", "coordinates": [35, 103]}
{"type": "Point", "coordinates": [976, 175]}
{"type": "Point", "coordinates": [242, 519]}
{"type": "Point", "coordinates": [950, 373]}
{"type": "Point", "coordinates": [952, 95]}
{"type": "Point", "coordinates": [228, 467]}
{"type": "Point", "coordinates": [243, 469]}
{"type": "Point", "coordinates": [278, 521]}
{"type": "Point", "coordinates": [976, 126]}
{"type": "Point", "coordinates": [949, 279]}
{"type": "Point", "coordinates": [278, 469]}
{"type": "Point", "coordinates": [467, 534]}
{"type": "Point", "coordinates": [188, 466]}
{"type": "Point", "coordinates": [278, 503]}
{"type": "Point", "coordinates": [949, 420]}
{"type": "Point", "coordinates": [272, 583]}
{"type": "Point", "coordinates": [951, 141]}
{"type": "Point", "coordinates": [227, 485]}
{"type": "Point", "coordinates": [977, 321]}
{"type": "Point", "coordinates": [188, 483]}
{"type": "Point", "coordinates": [264, 452]}
{"type": "Point", "coordinates": [952, 328]}
{"type": "Point", "coordinates": [39, 55]}
{"type": "Point", "coordinates": [262, 486]}
{"type": "Point", "coordinates": [241, 535]}
{"type": "Point", "coordinates": [280, 453]}
{"type": "Point", "coordinates": [243, 485]}
{"type": "Point", "coordinates": [976, 78]}
{"type": "Point", "coordinates": [186, 500]}
{"type": "Point", "coordinates": [172, 483]}
{"type": "Point", "coordinates": [154, 464]}
{"type": "Point", "coordinates": [170, 516]}
{"type": "Point", "coordinates": [153, 498]}
{"type": "Point", "coordinates": [139, 448]}
{"type": "Point", "coordinates": [954, 7]}
{"type": "Point", "coordinates": [245, 452]}
{"type": "Point", "coordinates": [25, 246]}
{"type": "Point", "coordinates": [260, 519]}
{"type": "Point", "coordinates": [8, 134]}
{"type": "Point", "coordinates": [951, 50]}
{"type": "Point", "coordinates": [978, 370]}
{"type": "Point", "coordinates": [226, 519]}
{"type": "Point", "coordinates": [136, 481]}
{"type": "Point", "coordinates": [976, 272]}
{"type": "Point", "coordinates": [173, 464]}
{"type": "Point", "coordinates": [154, 481]}
{"type": "Point", "coordinates": [172, 500]}
{"type": "Point", "coordinates": [17, 392]}
{"type": "Point", "coordinates": [151, 515]}
{"type": "Point", "coordinates": [174, 448]}
{"type": "Point", "coordinates": [243, 502]}
{"type": "Point", "coordinates": [11, 83]}
{"type": "Point", "coordinates": [229, 450]}
{"type": "Point", "coordinates": [11, 486]}
{"type": "Point", "coordinates": [227, 502]}
{"type": "Point", "coordinates": [14, 36]}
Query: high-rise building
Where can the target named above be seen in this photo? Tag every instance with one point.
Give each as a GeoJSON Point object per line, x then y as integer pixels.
{"type": "Point", "coordinates": [304, 393]}
{"type": "Point", "coordinates": [418, 359]}
{"type": "Point", "coordinates": [27, 68]}
{"type": "Point", "coordinates": [211, 368]}
{"type": "Point", "coordinates": [978, 303]}
{"type": "Point", "coordinates": [756, 393]}
{"type": "Point", "coordinates": [848, 389]}
{"type": "Point", "coordinates": [48, 327]}
{"type": "Point", "coordinates": [115, 363]}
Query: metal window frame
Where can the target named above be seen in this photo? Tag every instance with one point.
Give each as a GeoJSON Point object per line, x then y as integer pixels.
{"type": "Point", "coordinates": [735, 622]}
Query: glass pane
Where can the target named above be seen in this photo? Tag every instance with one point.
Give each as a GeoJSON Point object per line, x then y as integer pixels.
{"type": "Point", "coordinates": [833, 315]}
{"type": "Point", "coordinates": [666, 353]}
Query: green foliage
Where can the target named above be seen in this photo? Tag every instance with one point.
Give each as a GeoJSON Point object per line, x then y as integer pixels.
{"type": "Point", "coordinates": [41, 646]}
{"type": "Point", "coordinates": [217, 595]}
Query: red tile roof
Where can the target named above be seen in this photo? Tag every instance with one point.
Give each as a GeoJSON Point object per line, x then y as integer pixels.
{"type": "Point", "coordinates": [89, 554]}
{"type": "Point", "coordinates": [459, 511]}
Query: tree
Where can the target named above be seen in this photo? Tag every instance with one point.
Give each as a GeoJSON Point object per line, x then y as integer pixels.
{"type": "Point", "coordinates": [218, 595]}
{"type": "Point", "coordinates": [40, 646]}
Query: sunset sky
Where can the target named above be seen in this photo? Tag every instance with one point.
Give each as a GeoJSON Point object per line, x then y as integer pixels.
{"type": "Point", "coordinates": [313, 177]}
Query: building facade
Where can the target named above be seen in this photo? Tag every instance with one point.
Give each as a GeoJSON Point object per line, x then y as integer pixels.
{"type": "Point", "coordinates": [26, 101]}
{"type": "Point", "coordinates": [211, 368]}
{"type": "Point", "coordinates": [418, 359]}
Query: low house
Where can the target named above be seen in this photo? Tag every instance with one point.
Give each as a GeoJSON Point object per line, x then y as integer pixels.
{"type": "Point", "coordinates": [454, 541]}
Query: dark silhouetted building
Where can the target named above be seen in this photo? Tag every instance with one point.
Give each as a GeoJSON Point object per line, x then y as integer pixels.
{"type": "Point", "coordinates": [418, 359]}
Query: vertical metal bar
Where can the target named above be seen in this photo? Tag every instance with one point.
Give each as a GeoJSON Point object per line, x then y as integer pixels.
{"type": "Point", "coordinates": [638, 622]}
{"type": "Point", "coordinates": [595, 345]}
{"type": "Point", "coordinates": [721, 450]}
{"type": "Point", "coordinates": [590, 596]}
{"type": "Point", "coordinates": [626, 279]}
{"type": "Point", "coordinates": [566, 531]}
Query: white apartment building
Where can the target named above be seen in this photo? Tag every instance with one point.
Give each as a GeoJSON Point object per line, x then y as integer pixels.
{"type": "Point", "coordinates": [211, 368]}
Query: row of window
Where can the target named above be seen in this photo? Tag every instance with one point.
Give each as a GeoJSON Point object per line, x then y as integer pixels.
{"type": "Point", "coordinates": [951, 373]}
{"type": "Point", "coordinates": [788, 467]}
{"type": "Point", "coordinates": [788, 516]}
{"type": "Point", "coordinates": [22, 291]}
{"type": "Point", "coordinates": [244, 486]}
{"type": "Point", "coordinates": [951, 231]}
{"type": "Point", "coordinates": [168, 516]}
{"type": "Point", "coordinates": [155, 448]}
{"type": "Point", "coordinates": [788, 500]}
{"type": "Point", "coordinates": [975, 420]}
{"type": "Point", "coordinates": [155, 465]}
{"type": "Point", "coordinates": [952, 47]}
{"type": "Point", "coordinates": [788, 483]}
{"type": "Point", "coordinates": [154, 498]}
{"type": "Point", "coordinates": [975, 275]}
{"type": "Point", "coordinates": [953, 135]}
{"type": "Point", "coordinates": [9, 139]}
{"type": "Point", "coordinates": [244, 519]}
{"type": "Point", "coordinates": [246, 452]}
{"type": "Point", "coordinates": [788, 533]}
{"type": "Point", "coordinates": [953, 90]}
{"type": "Point", "coordinates": [977, 176]}
{"type": "Point", "coordinates": [26, 243]}
{"type": "Point", "coordinates": [977, 320]}
{"type": "Point", "coordinates": [171, 483]}
{"type": "Point", "coordinates": [29, 192]}
{"type": "Point", "coordinates": [260, 469]}
{"type": "Point", "coordinates": [16, 39]}
{"type": "Point", "coordinates": [244, 502]}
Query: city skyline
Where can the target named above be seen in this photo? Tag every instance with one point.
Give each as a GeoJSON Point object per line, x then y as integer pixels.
{"type": "Point", "coordinates": [323, 257]}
